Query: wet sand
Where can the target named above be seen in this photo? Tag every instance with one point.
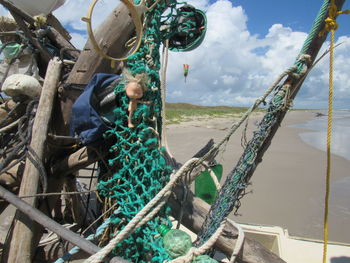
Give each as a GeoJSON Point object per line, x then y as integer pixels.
{"type": "Point", "coordinates": [288, 187]}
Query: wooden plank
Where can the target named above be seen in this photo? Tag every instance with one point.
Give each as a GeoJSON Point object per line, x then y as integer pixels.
{"type": "Point", "coordinates": [21, 249]}
{"type": "Point", "coordinates": [116, 29]}
{"type": "Point", "coordinates": [46, 56]}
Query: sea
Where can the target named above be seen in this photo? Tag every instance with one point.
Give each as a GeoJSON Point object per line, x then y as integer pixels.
{"type": "Point", "coordinates": [340, 140]}
{"type": "Point", "coordinates": [340, 145]}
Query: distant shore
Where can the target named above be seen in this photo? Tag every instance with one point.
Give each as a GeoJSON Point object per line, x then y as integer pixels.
{"type": "Point", "coordinates": [288, 187]}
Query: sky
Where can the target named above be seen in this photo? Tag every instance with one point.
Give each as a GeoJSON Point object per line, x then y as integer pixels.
{"type": "Point", "coordinates": [248, 44]}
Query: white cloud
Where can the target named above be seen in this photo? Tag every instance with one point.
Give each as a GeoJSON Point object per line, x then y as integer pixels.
{"type": "Point", "coordinates": [72, 11]}
{"type": "Point", "coordinates": [229, 79]}
{"type": "Point", "coordinates": [78, 40]}
{"type": "Point", "coordinates": [232, 66]}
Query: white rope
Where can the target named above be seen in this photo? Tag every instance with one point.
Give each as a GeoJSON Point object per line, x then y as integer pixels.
{"type": "Point", "coordinates": [239, 242]}
{"type": "Point", "coordinates": [164, 140]}
{"type": "Point", "coordinates": [99, 256]}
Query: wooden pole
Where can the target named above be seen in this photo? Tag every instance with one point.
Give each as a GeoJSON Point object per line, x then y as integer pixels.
{"type": "Point", "coordinates": [48, 223]}
{"type": "Point", "coordinates": [22, 245]}
{"type": "Point", "coordinates": [112, 35]}
{"type": "Point", "coordinates": [52, 225]}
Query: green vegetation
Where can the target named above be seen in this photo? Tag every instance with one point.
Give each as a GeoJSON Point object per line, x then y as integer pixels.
{"type": "Point", "coordinates": [180, 112]}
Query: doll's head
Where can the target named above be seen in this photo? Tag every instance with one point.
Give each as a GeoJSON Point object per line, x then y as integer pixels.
{"type": "Point", "coordinates": [135, 86]}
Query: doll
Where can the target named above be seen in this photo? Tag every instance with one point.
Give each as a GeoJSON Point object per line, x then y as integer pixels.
{"type": "Point", "coordinates": [135, 88]}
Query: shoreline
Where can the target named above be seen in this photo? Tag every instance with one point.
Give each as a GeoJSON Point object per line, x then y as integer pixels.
{"type": "Point", "coordinates": [288, 185]}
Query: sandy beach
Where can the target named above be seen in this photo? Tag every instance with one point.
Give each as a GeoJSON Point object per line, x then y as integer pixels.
{"type": "Point", "coordinates": [288, 187]}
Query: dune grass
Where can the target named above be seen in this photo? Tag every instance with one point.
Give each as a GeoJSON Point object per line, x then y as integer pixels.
{"type": "Point", "coordinates": [180, 112]}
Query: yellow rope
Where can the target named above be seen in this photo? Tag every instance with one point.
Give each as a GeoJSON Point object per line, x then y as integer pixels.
{"type": "Point", "coordinates": [331, 26]}
{"type": "Point", "coordinates": [329, 130]}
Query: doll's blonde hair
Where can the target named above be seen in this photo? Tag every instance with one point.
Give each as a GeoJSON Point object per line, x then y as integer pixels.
{"type": "Point", "coordinates": [141, 79]}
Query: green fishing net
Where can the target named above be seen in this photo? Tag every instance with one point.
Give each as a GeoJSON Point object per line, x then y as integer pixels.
{"type": "Point", "coordinates": [139, 168]}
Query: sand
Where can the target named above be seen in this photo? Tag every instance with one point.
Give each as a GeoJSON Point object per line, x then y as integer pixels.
{"type": "Point", "coordinates": [288, 187]}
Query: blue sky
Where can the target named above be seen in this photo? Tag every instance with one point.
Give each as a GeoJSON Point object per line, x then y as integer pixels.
{"type": "Point", "coordinates": [248, 44]}
{"type": "Point", "coordinates": [297, 14]}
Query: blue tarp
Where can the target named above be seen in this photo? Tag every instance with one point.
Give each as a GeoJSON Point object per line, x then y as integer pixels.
{"type": "Point", "coordinates": [86, 123]}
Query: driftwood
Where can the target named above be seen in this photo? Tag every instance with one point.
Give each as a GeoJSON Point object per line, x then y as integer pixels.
{"type": "Point", "coordinates": [194, 213]}
{"type": "Point", "coordinates": [111, 39]}
{"type": "Point", "coordinates": [75, 161]}
{"type": "Point", "coordinates": [52, 225]}
{"type": "Point", "coordinates": [48, 223]}
{"type": "Point", "coordinates": [62, 43]}
{"type": "Point", "coordinates": [56, 24]}
{"type": "Point", "coordinates": [22, 242]}
{"type": "Point", "coordinates": [46, 56]}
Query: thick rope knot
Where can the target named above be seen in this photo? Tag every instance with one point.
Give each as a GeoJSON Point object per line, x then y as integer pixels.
{"type": "Point", "coordinates": [331, 24]}
{"type": "Point", "coordinates": [301, 66]}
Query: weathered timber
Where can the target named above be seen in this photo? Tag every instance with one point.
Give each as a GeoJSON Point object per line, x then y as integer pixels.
{"type": "Point", "coordinates": [62, 43]}
{"type": "Point", "coordinates": [194, 213]}
{"type": "Point", "coordinates": [111, 35]}
{"type": "Point", "coordinates": [56, 24]}
{"type": "Point", "coordinates": [46, 56]}
{"type": "Point", "coordinates": [22, 245]}
{"type": "Point", "coordinates": [52, 225]}
{"type": "Point", "coordinates": [75, 161]}
{"type": "Point", "coordinates": [48, 223]}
